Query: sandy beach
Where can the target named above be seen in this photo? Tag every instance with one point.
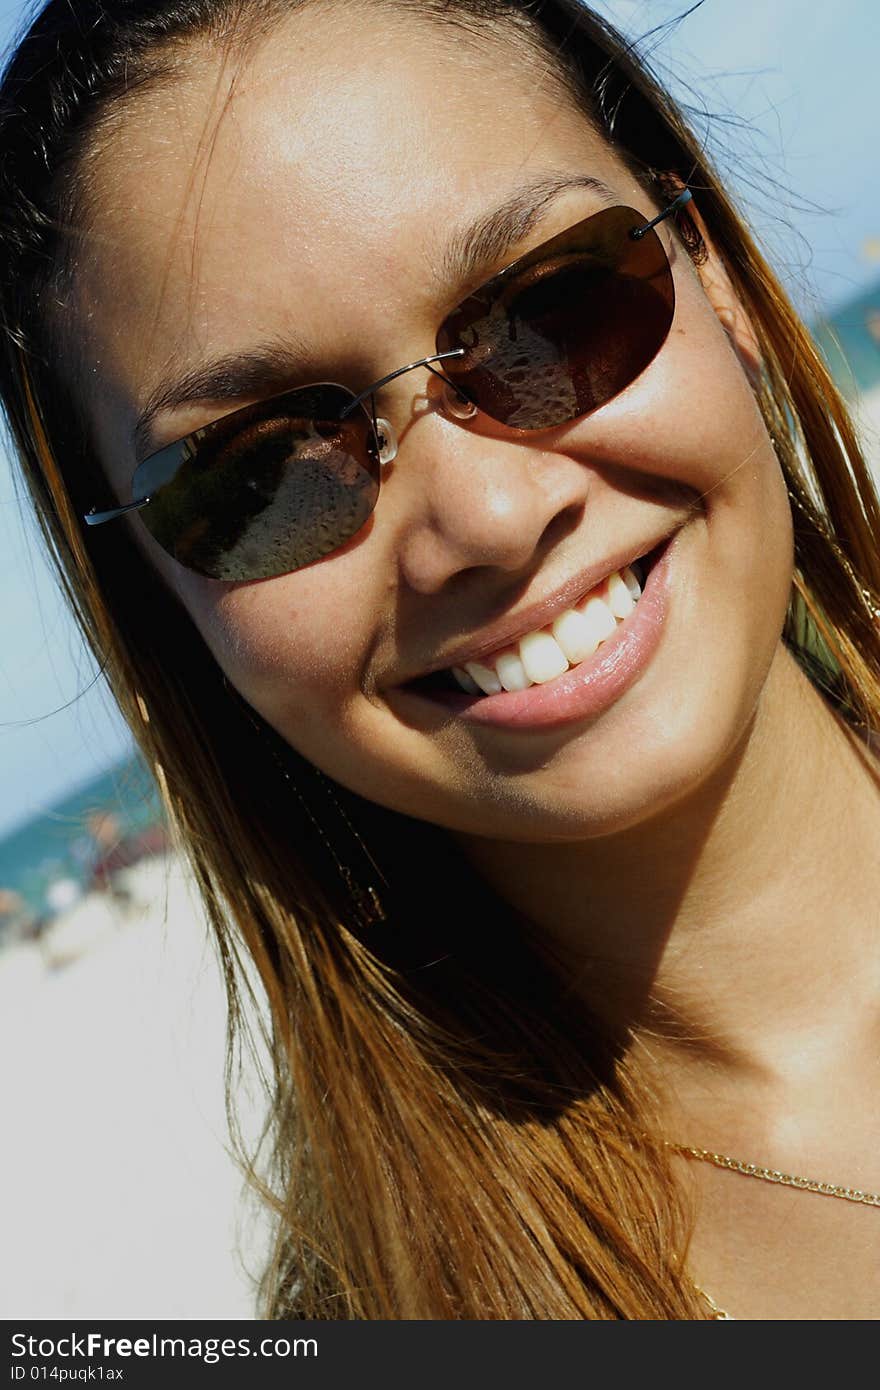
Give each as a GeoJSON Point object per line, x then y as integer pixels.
{"type": "Point", "coordinates": [120, 1198]}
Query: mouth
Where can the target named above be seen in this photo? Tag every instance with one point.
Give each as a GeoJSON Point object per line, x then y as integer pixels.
{"type": "Point", "coordinates": [541, 656]}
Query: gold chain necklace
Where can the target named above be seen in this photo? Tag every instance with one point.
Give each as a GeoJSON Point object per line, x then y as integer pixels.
{"type": "Point", "coordinates": [754, 1170]}
{"type": "Point", "coordinates": [718, 1314]}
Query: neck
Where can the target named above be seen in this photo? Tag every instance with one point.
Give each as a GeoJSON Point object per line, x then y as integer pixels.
{"type": "Point", "coordinates": [744, 938]}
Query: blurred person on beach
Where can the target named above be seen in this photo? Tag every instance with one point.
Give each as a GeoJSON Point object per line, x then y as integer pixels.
{"type": "Point", "coordinates": [17, 921]}
{"type": "Point", "coordinates": [118, 851]}
{"type": "Point", "coordinates": [484, 562]}
{"type": "Point", "coordinates": [11, 902]}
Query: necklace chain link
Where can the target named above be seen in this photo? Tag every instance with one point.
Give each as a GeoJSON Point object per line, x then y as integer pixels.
{"type": "Point", "coordinates": [754, 1170]}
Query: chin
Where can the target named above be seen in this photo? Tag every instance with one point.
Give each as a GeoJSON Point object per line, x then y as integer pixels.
{"type": "Point", "coordinates": [596, 787]}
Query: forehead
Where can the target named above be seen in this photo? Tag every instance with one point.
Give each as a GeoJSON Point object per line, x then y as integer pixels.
{"type": "Point", "coordinates": [302, 192]}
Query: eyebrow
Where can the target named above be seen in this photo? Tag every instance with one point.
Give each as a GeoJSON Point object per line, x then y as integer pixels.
{"type": "Point", "coordinates": [269, 368]}
{"type": "Point", "coordinates": [487, 239]}
{"type": "Point", "coordinates": [261, 371]}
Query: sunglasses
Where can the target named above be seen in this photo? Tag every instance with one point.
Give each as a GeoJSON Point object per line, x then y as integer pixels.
{"type": "Point", "coordinates": [270, 488]}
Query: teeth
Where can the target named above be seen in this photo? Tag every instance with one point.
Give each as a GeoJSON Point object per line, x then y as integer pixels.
{"type": "Point", "coordinates": [465, 681]}
{"type": "Point", "coordinates": [618, 597]}
{"type": "Point", "coordinates": [542, 657]}
{"type": "Point", "coordinates": [484, 677]}
{"type": "Point", "coordinates": [511, 672]}
{"type": "Point", "coordinates": [629, 578]}
{"type": "Point", "coordinates": [580, 632]}
{"type": "Point", "coordinates": [574, 635]}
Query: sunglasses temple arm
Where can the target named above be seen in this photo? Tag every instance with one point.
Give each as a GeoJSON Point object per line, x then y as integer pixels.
{"type": "Point", "coordinates": [98, 518]}
{"type": "Point", "coordinates": [684, 197]}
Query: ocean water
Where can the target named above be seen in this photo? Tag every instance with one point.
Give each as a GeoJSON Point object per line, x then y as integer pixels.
{"type": "Point", "coordinates": [56, 844]}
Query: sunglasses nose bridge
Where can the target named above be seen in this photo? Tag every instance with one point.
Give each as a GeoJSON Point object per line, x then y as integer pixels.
{"type": "Point", "coordinates": [455, 403]}
{"type": "Point", "coordinates": [399, 371]}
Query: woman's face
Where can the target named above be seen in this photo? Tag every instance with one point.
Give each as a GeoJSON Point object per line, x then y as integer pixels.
{"type": "Point", "coordinates": [306, 198]}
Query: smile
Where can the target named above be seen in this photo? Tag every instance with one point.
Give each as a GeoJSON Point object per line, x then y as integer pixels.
{"type": "Point", "coordinates": [571, 668]}
{"type": "Point", "coordinates": [542, 655]}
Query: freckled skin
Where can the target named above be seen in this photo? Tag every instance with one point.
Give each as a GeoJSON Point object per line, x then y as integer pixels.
{"type": "Point", "coordinates": [323, 211]}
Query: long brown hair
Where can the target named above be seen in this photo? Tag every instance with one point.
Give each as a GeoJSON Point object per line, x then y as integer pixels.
{"type": "Point", "coordinates": [449, 1134]}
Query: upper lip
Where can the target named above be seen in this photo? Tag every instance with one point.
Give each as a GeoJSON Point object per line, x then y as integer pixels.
{"type": "Point", "coordinates": [515, 625]}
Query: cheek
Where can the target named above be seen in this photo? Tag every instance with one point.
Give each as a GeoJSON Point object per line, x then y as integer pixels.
{"type": "Point", "coordinates": [729, 458]}
{"type": "Point", "coordinates": [705, 396]}
{"type": "Point", "coordinates": [285, 644]}
{"type": "Point", "coordinates": [703, 407]}
{"type": "Point", "coordinates": [688, 434]}
{"type": "Point", "coordinates": [740, 481]}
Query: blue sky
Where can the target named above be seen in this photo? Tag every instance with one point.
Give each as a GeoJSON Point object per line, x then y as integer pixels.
{"type": "Point", "coordinates": [802, 78]}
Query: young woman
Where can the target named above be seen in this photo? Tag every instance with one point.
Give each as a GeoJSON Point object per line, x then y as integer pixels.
{"type": "Point", "coordinates": [485, 563]}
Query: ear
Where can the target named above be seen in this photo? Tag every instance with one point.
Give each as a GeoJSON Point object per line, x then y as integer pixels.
{"type": "Point", "coordinates": [721, 295]}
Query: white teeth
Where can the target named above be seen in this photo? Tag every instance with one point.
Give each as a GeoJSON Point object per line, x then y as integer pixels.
{"type": "Point", "coordinates": [631, 582]}
{"type": "Point", "coordinates": [511, 672]}
{"type": "Point", "coordinates": [579, 632]}
{"type": "Point", "coordinates": [465, 681]}
{"type": "Point", "coordinates": [575, 635]}
{"type": "Point", "coordinates": [619, 600]}
{"type": "Point", "coordinates": [542, 657]}
{"type": "Point", "coordinates": [484, 677]}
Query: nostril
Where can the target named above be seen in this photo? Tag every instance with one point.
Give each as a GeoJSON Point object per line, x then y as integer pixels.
{"type": "Point", "coordinates": [564, 523]}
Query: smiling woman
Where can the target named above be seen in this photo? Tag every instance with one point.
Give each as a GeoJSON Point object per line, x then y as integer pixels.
{"type": "Point", "coordinates": [476, 547]}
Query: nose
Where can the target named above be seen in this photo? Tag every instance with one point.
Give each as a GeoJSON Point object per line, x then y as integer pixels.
{"type": "Point", "coordinates": [477, 499]}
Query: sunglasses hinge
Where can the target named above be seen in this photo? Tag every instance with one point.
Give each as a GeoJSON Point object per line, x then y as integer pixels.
{"type": "Point", "coordinates": [684, 197]}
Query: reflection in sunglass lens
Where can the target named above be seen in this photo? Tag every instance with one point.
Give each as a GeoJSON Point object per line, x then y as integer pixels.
{"type": "Point", "coordinates": [567, 327]}
{"type": "Point", "coordinates": [265, 490]}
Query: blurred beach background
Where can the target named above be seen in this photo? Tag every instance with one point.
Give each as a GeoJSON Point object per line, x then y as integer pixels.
{"type": "Point", "coordinates": [119, 1194]}
{"type": "Point", "coordinates": [121, 1198]}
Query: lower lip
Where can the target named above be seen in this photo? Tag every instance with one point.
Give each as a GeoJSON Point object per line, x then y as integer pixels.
{"type": "Point", "coordinates": [585, 690]}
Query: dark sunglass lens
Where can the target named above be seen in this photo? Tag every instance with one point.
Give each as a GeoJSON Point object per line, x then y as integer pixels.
{"type": "Point", "coordinates": [566, 328]}
{"type": "Point", "coordinates": [265, 490]}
